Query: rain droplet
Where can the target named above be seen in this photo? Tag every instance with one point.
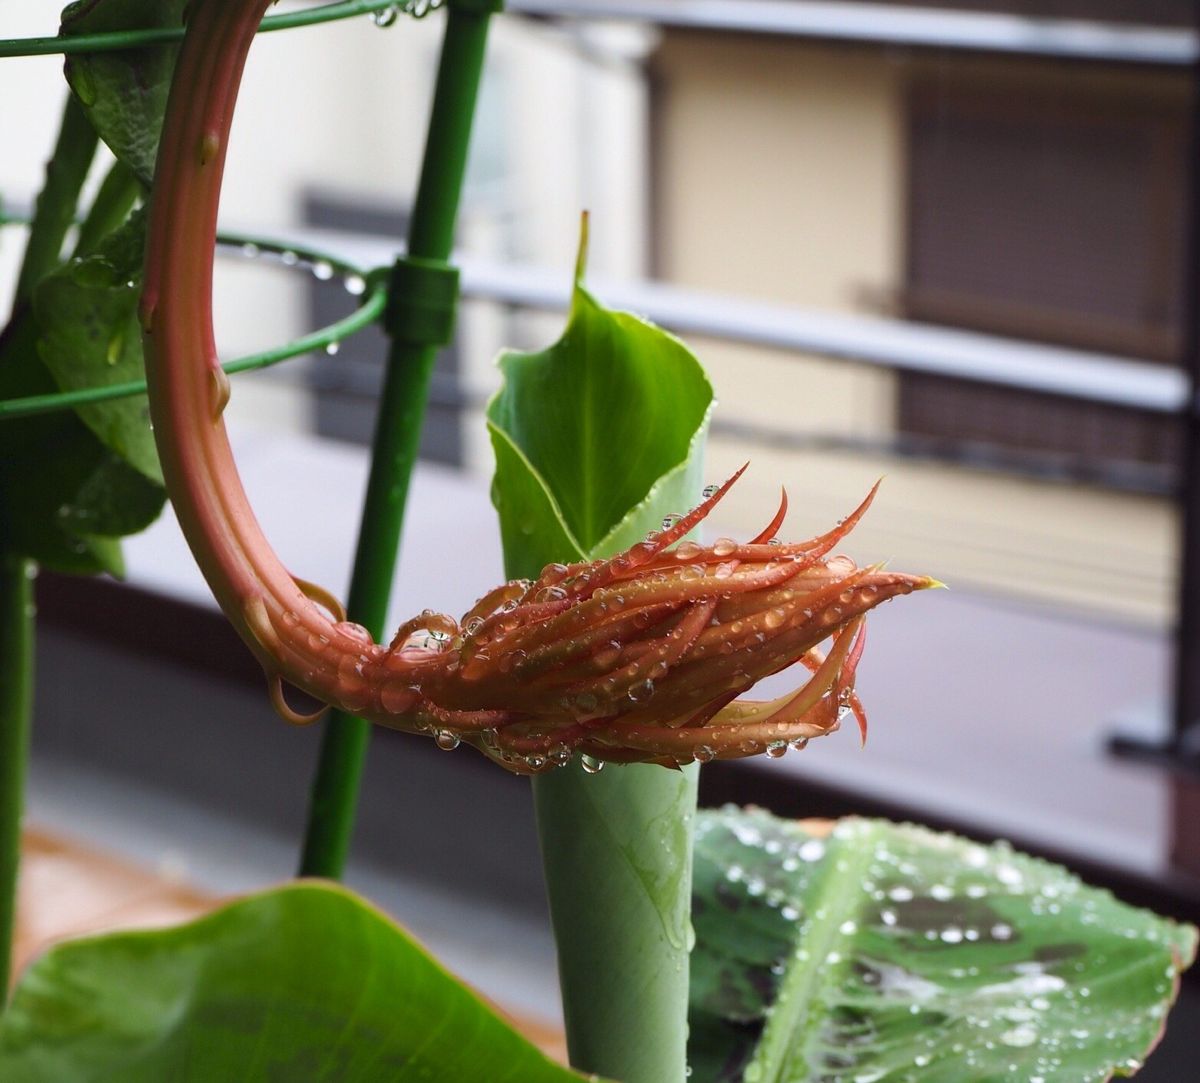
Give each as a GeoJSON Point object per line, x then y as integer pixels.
{"type": "Point", "coordinates": [709, 491]}
{"type": "Point", "coordinates": [385, 17]}
{"type": "Point", "coordinates": [354, 631]}
{"type": "Point", "coordinates": [642, 691]}
{"type": "Point", "coordinates": [722, 547]}
{"type": "Point", "coordinates": [813, 850]}
{"type": "Point", "coordinates": [687, 550]}
{"type": "Point", "coordinates": [322, 270]}
{"type": "Point", "coordinates": [446, 740]}
{"type": "Point", "coordinates": [704, 754]}
{"type": "Point", "coordinates": [591, 765]}
{"type": "Point", "coordinates": [512, 660]}
{"type": "Point", "coordinates": [354, 284]}
{"type": "Point", "coordinates": [671, 520]}
{"type": "Point", "coordinates": [397, 697]}
{"type": "Point", "coordinates": [775, 749]}
{"type": "Point", "coordinates": [115, 345]}
{"type": "Point", "coordinates": [332, 348]}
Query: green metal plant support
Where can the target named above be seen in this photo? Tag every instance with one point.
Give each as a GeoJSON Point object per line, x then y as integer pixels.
{"type": "Point", "coordinates": [419, 322]}
{"type": "Point", "coordinates": [16, 690]}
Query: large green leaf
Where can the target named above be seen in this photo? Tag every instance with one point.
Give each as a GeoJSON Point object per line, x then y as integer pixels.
{"type": "Point", "coordinates": [124, 93]}
{"type": "Point", "coordinates": [594, 435]}
{"type": "Point", "coordinates": [89, 336]}
{"type": "Point", "coordinates": [303, 983]}
{"type": "Point", "coordinates": [886, 952]}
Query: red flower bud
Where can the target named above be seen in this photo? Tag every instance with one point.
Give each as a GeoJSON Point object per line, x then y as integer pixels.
{"type": "Point", "coordinates": [641, 658]}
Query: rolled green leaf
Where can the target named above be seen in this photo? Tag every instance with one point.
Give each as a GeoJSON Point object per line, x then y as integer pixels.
{"type": "Point", "coordinates": [597, 439]}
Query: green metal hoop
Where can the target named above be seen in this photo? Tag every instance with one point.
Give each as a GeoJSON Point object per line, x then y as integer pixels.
{"type": "Point", "coordinates": [131, 39]}
{"type": "Point", "coordinates": [373, 286]}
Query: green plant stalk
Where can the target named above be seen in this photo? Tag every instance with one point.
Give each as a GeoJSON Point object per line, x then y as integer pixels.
{"type": "Point", "coordinates": [335, 787]}
{"type": "Point", "coordinates": [617, 854]}
{"type": "Point", "coordinates": [16, 698]}
{"type": "Point", "coordinates": [617, 858]}
{"type": "Point", "coordinates": [118, 193]}
{"type": "Point", "coordinates": [55, 212]}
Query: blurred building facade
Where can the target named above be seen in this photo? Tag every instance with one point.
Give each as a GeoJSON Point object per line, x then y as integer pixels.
{"type": "Point", "coordinates": [1033, 198]}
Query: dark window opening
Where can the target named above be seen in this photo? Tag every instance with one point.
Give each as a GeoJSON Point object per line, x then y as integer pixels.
{"type": "Point", "coordinates": [1052, 209]}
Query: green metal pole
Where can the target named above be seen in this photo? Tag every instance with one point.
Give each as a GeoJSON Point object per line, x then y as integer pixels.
{"type": "Point", "coordinates": [398, 429]}
{"type": "Point", "coordinates": [16, 695]}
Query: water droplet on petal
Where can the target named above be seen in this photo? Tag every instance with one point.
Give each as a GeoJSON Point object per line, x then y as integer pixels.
{"type": "Point", "coordinates": [354, 631]}
{"type": "Point", "coordinates": [591, 765]}
{"type": "Point", "coordinates": [446, 740]}
{"type": "Point", "coordinates": [397, 697]}
{"type": "Point", "coordinates": [642, 691]}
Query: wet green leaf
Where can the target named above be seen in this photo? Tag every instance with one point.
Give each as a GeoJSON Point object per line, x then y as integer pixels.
{"type": "Point", "coordinates": [889, 953]}
{"type": "Point", "coordinates": [64, 496]}
{"type": "Point", "coordinates": [124, 93]}
{"type": "Point", "coordinates": [89, 336]}
{"type": "Point", "coordinates": [304, 982]}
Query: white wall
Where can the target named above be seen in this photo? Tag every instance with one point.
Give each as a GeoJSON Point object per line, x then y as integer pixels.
{"type": "Point", "coordinates": [341, 108]}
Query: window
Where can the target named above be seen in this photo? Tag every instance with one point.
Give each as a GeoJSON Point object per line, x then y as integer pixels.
{"type": "Point", "coordinates": [1050, 206]}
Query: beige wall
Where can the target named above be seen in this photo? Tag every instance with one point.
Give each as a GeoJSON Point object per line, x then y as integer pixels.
{"type": "Point", "coordinates": [777, 180]}
{"type": "Point", "coordinates": [780, 175]}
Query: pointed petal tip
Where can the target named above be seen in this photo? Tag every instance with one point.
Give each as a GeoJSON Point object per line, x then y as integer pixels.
{"type": "Point", "coordinates": [929, 583]}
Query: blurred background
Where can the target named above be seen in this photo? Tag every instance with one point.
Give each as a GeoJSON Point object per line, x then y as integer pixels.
{"type": "Point", "coordinates": [951, 244]}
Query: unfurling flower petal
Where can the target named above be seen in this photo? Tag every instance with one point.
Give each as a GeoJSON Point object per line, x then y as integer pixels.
{"type": "Point", "coordinates": [639, 658]}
